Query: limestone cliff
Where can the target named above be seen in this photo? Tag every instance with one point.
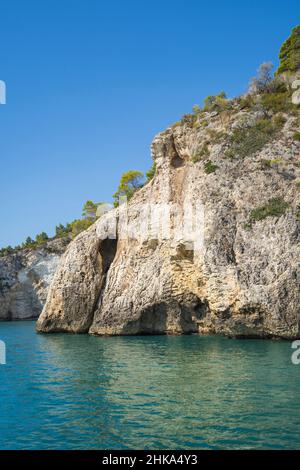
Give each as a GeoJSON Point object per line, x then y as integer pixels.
{"type": "Point", "coordinates": [24, 280]}
{"type": "Point", "coordinates": [234, 272]}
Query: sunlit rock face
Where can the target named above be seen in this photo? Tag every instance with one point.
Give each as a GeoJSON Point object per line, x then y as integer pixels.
{"type": "Point", "coordinates": [296, 93]}
{"type": "Point", "coordinates": [24, 280]}
{"type": "Point", "coordinates": [233, 271]}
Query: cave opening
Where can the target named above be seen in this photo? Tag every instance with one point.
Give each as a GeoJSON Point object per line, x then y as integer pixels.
{"type": "Point", "coordinates": [107, 250]}
{"type": "Point", "coordinates": [177, 161]}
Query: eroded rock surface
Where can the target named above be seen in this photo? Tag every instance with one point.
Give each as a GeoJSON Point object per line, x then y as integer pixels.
{"type": "Point", "coordinates": [241, 279]}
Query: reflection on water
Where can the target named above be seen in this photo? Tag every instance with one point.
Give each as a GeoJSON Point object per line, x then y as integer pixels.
{"type": "Point", "coordinates": [82, 392]}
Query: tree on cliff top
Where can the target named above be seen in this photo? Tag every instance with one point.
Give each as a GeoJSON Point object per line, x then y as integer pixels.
{"type": "Point", "coordinates": [290, 53]}
{"type": "Point", "coordinates": [92, 210]}
{"type": "Point", "coordinates": [130, 182]}
{"type": "Point", "coordinates": [41, 238]}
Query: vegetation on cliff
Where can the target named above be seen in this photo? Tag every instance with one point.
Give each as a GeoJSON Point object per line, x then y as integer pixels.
{"type": "Point", "coordinates": [290, 53]}
{"type": "Point", "coordinates": [130, 182]}
{"type": "Point", "coordinates": [68, 231]}
{"type": "Point", "coordinates": [266, 108]}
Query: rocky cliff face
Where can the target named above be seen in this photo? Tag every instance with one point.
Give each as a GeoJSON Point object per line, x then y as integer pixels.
{"type": "Point", "coordinates": [233, 271]}
{"type": "Point", "coordinates": [24, 280]}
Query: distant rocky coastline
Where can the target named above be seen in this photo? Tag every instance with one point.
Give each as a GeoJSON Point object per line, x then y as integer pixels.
{"type": "Point", "coordinates": [25, 277]}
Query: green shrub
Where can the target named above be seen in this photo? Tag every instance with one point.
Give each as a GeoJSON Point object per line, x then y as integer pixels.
{"type": "Point", "coordinates": [41, 238]}
{"type": "Point", "coordinates": [6, 251]}
{"type": "Point", "coordinates": [270, 163]}
{"type": "Point", "coordinates": [279, 121]}
{"type": "Point", "coordinates": [290, 53]}
{"type": "Point", "coordinates": [177, 124]}
{"type": "Point", "coordinates": [215, 137]}
{"type": "Point", "coordinates": [247, 141]}
{"type": "Point", "coordinates": [197, 109]}
{"type": "Point", "coordinates": [188, 119]}
{"type": "Point", "coordinates": [277, 86]}
{"type": "Point", "coordinates": [80, 225]}
{"type": "Point", "coordinates": [230, 154]}
{"type": "Point", "coordinates": [150, 173]}
{"type": "Point", "coordinates": [62, 231]}
{"type": "Point", "coordinates": [247, 101]}
{"type": "Point", "coordinates": [277, 102]}
{"type": "Point", "coordinates": [216, 103]}
{"type": "Point", "coordinates": [210, 167]}
{"type": "Point", "coordinates": [201, 154]}
{"type": "Point", "coordinates": [275, 207]}
{"type": "Point", "coordinates": [296, 136]}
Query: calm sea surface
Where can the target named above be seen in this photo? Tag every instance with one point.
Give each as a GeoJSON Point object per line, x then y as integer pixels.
{"type": "Point", "coordinates": [82, 392]}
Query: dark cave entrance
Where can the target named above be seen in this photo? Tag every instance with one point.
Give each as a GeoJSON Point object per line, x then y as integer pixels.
{"type": "Point", "coordinates": [107, 250]}
{"type": "Point", "coordinates": [177, 161]}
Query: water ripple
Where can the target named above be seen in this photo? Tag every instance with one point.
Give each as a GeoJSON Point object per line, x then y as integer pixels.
{"type": "Point", "coordinates": [81, 392]}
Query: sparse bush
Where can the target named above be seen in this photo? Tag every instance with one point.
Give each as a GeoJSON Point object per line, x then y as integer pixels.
{"type": "Point", "coordinates": [216, 103]}
{"type": "Point", "coordinates": [276, 102]}
{"type": "Point", "coordinates": [215, 136]}
{"type": "Point", "coordinates": [261, 83]}
{"type": "Point", "coordinates": [230, 154]}
{"type": "Point", "coordinates": [275, 207]}
{"type": "Point", "coordinates": [296, 136]}
{"type": "Point", "coordinates": [247, 101]}
{"type": "Point", "coordinates": [210, 167]}
{"type": "Point", "coordinates": [270, 163]}
{"type": "Point", "coordinates": [177, 124]}
{"type": "Point", "coordinates": [201, 154]}
{"type": "Point", "coordinates": [6, 251]}
{"type": "Point", "coordinates": [279, 121]}
{"type": "Point", "coordinates": [41, 238]}
{"type": "Point", "coordinates": [80, 225]}
{"type": "Point", "coordinates": [29, 242]}
{"type": "Point", "coordinates": [62, 231]}
{"type": "Point", "coordinates": [188, 119]}
{"type": "Point", "coordinates": [196, 109]}
{"type": "Point", "coordinates": [277, 85]}
{"type": "Point", "coordinates": [150, 173]}
{"type": "Point", "coordinates": [247, 141]}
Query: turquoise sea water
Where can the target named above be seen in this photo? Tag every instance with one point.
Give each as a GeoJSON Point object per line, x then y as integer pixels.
{"type": "Point", "coordinates": [82, 392]}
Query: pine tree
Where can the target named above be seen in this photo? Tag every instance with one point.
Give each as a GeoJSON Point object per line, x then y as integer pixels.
{"type": "Point", "coordinates": [290, 53]}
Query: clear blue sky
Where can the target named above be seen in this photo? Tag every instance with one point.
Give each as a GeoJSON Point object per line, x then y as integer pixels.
{"type": "Point", "coordinates": [90, 82]}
